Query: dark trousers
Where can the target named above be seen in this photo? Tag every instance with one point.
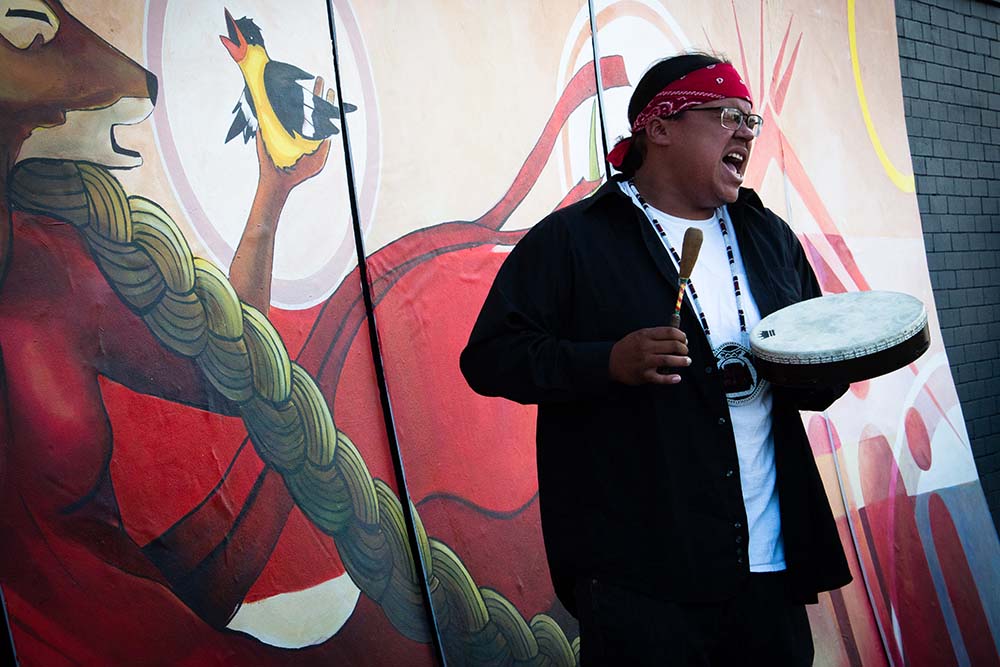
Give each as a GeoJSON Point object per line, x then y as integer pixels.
{"type": "Point", "coordinates": [759, 626]}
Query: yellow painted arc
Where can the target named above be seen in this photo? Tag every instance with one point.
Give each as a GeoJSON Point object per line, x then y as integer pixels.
{"type": "Point", "coordinates": [902, 181]}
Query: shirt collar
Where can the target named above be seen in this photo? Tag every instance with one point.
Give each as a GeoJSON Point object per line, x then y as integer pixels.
{"type": "Point", "coordinates": [611, 189]}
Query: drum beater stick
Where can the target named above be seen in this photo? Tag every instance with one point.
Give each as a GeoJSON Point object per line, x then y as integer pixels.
{"type": "Point", "coordinates": [689, 255]}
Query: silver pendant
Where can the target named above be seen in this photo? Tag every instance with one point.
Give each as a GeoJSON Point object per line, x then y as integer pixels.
{"type": "Point", "coordinates": [739, 377]}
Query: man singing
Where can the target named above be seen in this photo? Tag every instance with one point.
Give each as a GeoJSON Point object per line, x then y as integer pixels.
{"type": "Point", "coordinates": [685, 521]}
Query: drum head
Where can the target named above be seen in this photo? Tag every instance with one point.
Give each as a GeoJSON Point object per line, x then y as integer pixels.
{"type": "Point", "coordinates": [840, 338]}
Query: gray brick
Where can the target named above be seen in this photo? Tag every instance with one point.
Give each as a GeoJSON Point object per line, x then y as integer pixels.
{"type": "Point", "coordinates": [919, 50]}
{"type": "Point", "coordinates": [949, 39]}
{"type": "Point", "coordinates": [933, 72]}
{"type": "Point", "coordinates": [922, 204]}
{"type": "Point", "coordinates": [966, 42]}
{"type": "Point", "coordinates": [921, 146]}
{"type": "Point", "coordinates": [939, 16]}
{"type": "Point", "coordinates": [952, 168]}
{"type": "Point", "coordinates": [976, 151]}
{"type": "Point", "coordinates": [956, 22]}
{"type": "Point", "coordinates": [945, 279]}
{"type": "Point", "coordinates": [959, 59]}
{"type": "Point", "coordinates": [928, 33]}
{"type": "Point", "coordinates": [977, 63]}
{"type": "Point", "coordinates": [953, 76]}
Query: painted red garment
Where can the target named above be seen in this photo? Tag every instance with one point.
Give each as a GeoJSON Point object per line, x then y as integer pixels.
{"type": "Point", "coordinates": [83, 585]}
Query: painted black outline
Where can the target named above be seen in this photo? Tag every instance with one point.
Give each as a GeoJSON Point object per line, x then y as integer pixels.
{"type": "Point", "coordinates": [376, 350]}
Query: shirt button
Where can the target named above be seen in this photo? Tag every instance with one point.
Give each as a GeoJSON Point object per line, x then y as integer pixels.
{"type": "Point", "coordinates": [722, 421]}
{"type": "Point", "coordinates": [739, 538]}
{"type": "Point", "coordinates": [737, 525]}
{"type": "Point", "coordinates": [708, 370]}
{"type": "Point", "coordinates": [739, 560]}
{"type": "Point", "coordinates": [730, 473]}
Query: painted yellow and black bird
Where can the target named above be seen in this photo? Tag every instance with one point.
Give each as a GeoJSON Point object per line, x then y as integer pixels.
{"type": "Point", "coordinates": [291, 119]}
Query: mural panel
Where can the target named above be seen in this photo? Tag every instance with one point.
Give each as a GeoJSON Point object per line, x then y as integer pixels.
{"type": "Point", "coordinates": [179, 490]}
{"type": "Point", "coordinates": [196, 467]}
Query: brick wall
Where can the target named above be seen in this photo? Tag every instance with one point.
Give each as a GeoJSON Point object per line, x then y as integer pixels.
{"type": "Point", "coordinates": [950, 60]}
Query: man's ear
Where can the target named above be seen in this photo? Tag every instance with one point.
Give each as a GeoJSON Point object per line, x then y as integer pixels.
{"type": "Point", "coordinates": [660, 131]}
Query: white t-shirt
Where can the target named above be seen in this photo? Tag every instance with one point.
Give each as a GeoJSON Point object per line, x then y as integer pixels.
{"type": "Point", "coordinates": [751, 420]}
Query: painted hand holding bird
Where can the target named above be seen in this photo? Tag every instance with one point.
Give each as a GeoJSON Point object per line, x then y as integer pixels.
{"type": "Point", "coordinates": [292, 126]}
{"type": "Point", "coordinates": [291, 120]}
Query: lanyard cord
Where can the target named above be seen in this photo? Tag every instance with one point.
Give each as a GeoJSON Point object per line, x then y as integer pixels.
{"type": "Point", "coordinates": [745, 337]}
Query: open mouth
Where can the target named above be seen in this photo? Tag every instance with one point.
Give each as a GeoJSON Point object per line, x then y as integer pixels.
{"type": "Point", "coordinates": [735, 162]}
{"type": "Point", "coordinates": [118, 148]}
{"type": "Point", "coordinates": [234, 43]}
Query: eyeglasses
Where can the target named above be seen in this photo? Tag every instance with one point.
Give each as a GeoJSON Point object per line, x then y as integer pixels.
{"type": "Point", "coordinates": [733, 119]}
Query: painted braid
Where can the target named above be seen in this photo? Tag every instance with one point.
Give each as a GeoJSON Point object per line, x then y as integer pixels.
{"type": "Point", "coordinates": [191, 308]}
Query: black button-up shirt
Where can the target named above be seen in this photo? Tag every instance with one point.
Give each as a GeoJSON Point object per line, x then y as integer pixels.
{"type": "Point", "coordinates": [639, 484]}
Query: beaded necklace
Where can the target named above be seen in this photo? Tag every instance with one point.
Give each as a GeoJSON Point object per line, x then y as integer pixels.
{"type": "Point", "coordinates": [733, 359]}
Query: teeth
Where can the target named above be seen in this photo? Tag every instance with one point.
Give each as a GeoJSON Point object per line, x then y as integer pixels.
{"type": "Point", "coordinates": [736, 156]}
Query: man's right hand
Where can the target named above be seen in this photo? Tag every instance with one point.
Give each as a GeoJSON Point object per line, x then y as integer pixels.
{"type": "Point", "coordinates": [636, 358]}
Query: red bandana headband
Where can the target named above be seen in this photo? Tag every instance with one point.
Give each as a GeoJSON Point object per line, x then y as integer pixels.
{"type": "Point", "coordinates": [714, 82]}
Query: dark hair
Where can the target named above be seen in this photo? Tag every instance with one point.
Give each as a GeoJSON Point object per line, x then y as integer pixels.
{"type": "Point", "coordinates": [657, 77]}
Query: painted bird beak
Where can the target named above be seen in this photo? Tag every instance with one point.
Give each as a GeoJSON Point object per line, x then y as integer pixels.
{"type": "Point", "coordinates": [235, 43]}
